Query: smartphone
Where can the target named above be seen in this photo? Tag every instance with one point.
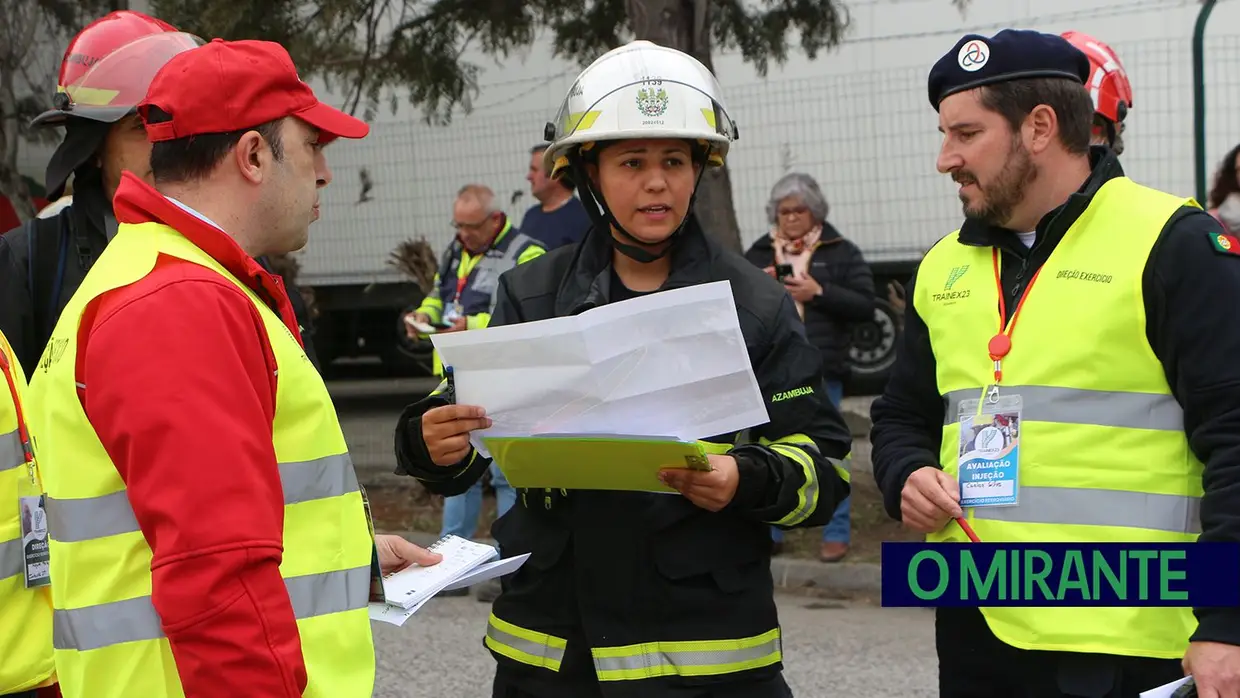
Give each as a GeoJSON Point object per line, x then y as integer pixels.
{"type": "Point", "coordinates": [783, 271]}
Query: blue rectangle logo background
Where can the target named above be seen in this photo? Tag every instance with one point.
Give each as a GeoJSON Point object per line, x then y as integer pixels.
{"type": "Point", "coordinates": [1061, 574]}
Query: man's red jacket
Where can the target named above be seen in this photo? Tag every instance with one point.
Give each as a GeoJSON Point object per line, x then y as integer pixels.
{"type": "Point", "coordinates": [181, 389]}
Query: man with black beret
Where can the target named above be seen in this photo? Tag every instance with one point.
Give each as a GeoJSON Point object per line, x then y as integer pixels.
{"type": "Point", "coordinates": [1118, 389]}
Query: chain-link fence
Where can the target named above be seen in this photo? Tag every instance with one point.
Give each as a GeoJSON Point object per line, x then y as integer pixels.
{"type": "Point", "coordinates": [870, 139]}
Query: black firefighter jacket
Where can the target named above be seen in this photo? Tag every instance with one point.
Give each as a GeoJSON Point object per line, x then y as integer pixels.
{"type": "Point", "coordinates": [31, 259]}
{"type": "Point", "coordinates": [610, 570]}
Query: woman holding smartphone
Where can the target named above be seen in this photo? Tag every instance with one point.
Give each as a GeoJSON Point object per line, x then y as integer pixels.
{"type": "Point", "coordinates": [832, 286]}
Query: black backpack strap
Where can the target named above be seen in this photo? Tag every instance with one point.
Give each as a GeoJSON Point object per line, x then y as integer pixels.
{"type": "Point", "coordinates": [36, 271]}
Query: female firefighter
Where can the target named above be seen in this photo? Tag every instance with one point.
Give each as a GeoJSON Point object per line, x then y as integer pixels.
{"type": "Point", "coordinates": [641, 594]}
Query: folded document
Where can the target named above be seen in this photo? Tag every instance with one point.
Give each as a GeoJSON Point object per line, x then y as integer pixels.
{"type": "Point", "coordinates": [673, 364]}
{"type": "Point", "coordinates": [630, 463]}
{"type": "Point", "coordinates": [464, 564]}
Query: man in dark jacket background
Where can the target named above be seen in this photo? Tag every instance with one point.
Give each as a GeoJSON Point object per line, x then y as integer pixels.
{"type": "Point", "coordinates": [43, 261]}
{"type": "Point", "coordinates": [833, 288]}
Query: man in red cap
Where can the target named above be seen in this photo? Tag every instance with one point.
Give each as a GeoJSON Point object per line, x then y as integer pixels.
{"type": "Point", "coordinates": [208, 535]}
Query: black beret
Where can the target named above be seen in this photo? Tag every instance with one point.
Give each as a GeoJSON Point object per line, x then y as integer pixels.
{"type": "Point", "coordinates": [1012, 54]}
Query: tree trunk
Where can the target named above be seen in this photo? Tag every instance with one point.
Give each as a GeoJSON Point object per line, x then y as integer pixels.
{"type": "Point", "coordinates": [685, 25]}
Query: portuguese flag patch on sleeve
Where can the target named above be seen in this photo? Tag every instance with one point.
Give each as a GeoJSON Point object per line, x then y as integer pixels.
{"type": "Point", "coordinates": [1225, 244]}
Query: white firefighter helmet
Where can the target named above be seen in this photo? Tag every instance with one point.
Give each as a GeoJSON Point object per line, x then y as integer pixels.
{"type": "Point", "coordinates": [641, 90]}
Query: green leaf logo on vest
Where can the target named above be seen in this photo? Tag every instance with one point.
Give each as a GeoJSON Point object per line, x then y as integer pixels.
{"type": "Point", "coordinates": [948, 294]}
{"type": "Point", "coordinates": [954, 275]}
{"type": "Point", "coordinates": [789, 394]}
{"type": "Point", "coordinates": [52, 353]}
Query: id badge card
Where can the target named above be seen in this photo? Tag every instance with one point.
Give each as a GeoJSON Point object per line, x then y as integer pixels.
{"type": "Point", "coordinates": [32, 508]}
{"type": "Point", "coordinates": [989, 465]}
{"type": "Point", "coordinates": [456, 310]}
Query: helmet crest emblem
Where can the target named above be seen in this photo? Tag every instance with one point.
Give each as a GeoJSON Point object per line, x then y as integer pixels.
{"type": "Point", "coordinates": [652, 102]}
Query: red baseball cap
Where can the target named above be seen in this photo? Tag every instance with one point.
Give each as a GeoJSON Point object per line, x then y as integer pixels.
{"type": "Point", "coordinates": [227, 86]}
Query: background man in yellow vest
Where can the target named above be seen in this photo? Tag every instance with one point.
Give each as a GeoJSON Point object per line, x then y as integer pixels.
{"type": "Point", "coordinates": [487, 244]}
{"type": "Point", "coordinates": [26, 663]}
{"type": "Point", "coordinates": [1121, 377]}
{"type": "Point", "coordinates": [208, 533]}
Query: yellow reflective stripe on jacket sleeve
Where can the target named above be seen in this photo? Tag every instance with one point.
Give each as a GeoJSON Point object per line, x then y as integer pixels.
{"type": "Point", "coordinates": [807, 493]}
{"type": "Point", "coordinates": [843, 468]}
{"type": "Point", "coordinates": [531, 252]}
{"type": "Point", "coordinates": [713, 448]}
{"type": "Point", "coordinates": [525, 646]}
{"type": "Point", "coordinates": [472, 456]}
{"type": "Point", "coordinates": [432, 304]}
{"type": "Point", "coordinates": [797, 447]}
{"type": "Point", "coordinates": [440, 389]}
{"type": "Point", "coordinates": [650, 660]}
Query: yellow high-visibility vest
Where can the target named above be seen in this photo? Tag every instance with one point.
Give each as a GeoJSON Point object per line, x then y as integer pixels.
{"type": "Point", "coordinates": [1103, 454]}
{"type": "Point", "coordinates": [25, 614]}
{"type": "Point", "coordinates": [108, 639]}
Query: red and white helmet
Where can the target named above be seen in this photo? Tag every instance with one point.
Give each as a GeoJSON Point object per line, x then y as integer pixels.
{"type": "Point", "coordinates": [109, 65]}
{"type": "Point", "coordinates": [1108, 83]}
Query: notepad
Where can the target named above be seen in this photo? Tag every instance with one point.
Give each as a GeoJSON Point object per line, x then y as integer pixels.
{"type": "Point", "coordinates": [464, 563]}
{"type": "Point", "coordinates": [593, 461]}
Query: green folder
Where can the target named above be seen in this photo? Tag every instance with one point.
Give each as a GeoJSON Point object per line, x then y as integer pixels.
{"type": "Point", "coordinates": [593, 462]}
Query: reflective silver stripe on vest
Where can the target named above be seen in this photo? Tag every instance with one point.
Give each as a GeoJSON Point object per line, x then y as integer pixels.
{"type": "Point", "coordinates": [11, 558]}
{"type": "Point", "coordinates": [1095, 507]}
{"type": "Point", "coordinates": [136, 619]}
{"type": "Point", "coordinates": [321, 478]}
{"type": "Point", "coordinates": [76, 520]}
{"type": "Point", "coordinates": [11, 454]}
{"type": "Point", "coordinates": [1075, 406]}
{"type": "Point", "coordinates": [663, 662]}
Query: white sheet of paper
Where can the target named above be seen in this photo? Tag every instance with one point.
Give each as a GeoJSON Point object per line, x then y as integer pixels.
{"type": "Point", "coordinates": [1166, 690]}
{"type": "Point", "coordinates": [411, 586]}
{"type": "Point", "coordinates": [490, 570]}
{"type": "Point", "coordinates": [393, 615]}
{"type": "Point", "coordinates": [669, 364]}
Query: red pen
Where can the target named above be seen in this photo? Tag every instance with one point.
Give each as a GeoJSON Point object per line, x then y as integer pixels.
{"type": "Point", "coordinates": [968, 530]}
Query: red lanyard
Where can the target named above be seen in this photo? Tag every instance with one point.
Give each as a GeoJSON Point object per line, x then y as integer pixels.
{"type": "Point", "coordinates": [1001, 343]}
{"type": "Point", "coordinates": [464, 268]}
{"type": "Point", "coordinates": [22, 434]}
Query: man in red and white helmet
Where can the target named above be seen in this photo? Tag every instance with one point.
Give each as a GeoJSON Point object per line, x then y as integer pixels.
{"type": "Point", "coordinates": [1108, 86]}
{"type": "Point", "coordinates": [104, 73]}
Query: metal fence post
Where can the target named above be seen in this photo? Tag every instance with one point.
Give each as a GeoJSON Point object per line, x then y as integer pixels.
{"type": "Point", "coordinates": [1199, 99]}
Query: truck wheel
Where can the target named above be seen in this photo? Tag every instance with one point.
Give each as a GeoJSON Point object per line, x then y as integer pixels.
{"type": "Point", "coordinates": [873, 350]}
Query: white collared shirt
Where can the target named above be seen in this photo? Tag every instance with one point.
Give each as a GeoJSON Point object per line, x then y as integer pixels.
{"type": "Point", "coordinates": [194, 213]}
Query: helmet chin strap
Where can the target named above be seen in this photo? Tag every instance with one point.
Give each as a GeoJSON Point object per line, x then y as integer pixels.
{"type": "Point", "coordinates": [601, 215]}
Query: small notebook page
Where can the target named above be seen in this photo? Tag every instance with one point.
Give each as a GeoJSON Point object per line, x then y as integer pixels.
{"type": "Point", "coordinates": [414, 585]}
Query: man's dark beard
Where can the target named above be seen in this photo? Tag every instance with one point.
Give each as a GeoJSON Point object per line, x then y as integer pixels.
{"type": "Point", "coordinates": [1003, 195]}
